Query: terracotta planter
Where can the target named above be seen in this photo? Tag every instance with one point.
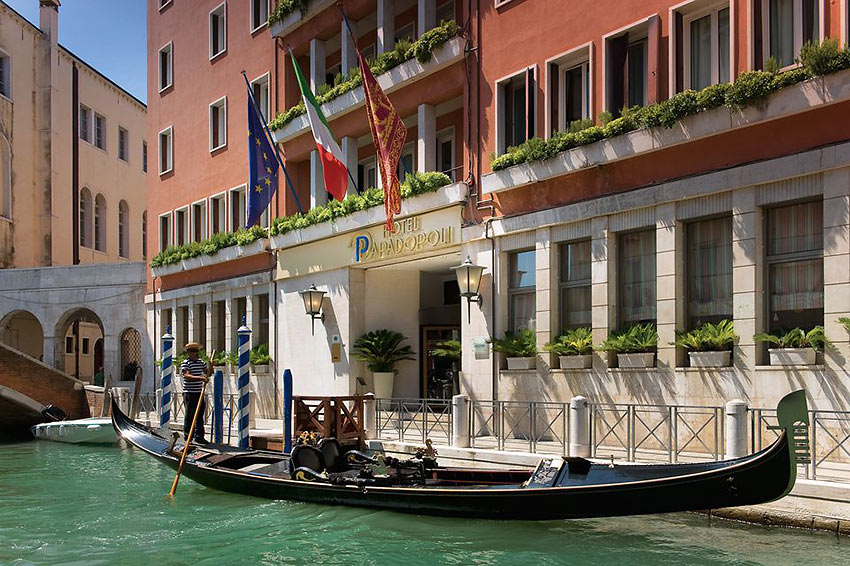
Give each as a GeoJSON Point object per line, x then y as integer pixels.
{"type": "Point", "coordinates": [576, 362]}
{"type": "Point", "coordinates": [383, 381]}
{"type": "Point", "coordinates": [522, 363]}
{"type": "Point", "coordinates": [710, 359]}
{"type": "Point", "coordinates": [641, 360]}
{"type": "Point", "coordinates": [792, 356]}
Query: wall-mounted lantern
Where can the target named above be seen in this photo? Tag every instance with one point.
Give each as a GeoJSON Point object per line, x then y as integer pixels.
{"type": "Point", "coordinates": [313, 305]}
{"type": "Point", "coordinates": [468, 280]}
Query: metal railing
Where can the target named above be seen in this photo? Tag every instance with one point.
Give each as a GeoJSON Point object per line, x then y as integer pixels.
{"type": "Point", "coordinates": [414, 420]}
{"type": "Point", "coordinates": [148, 412]}
{"type": "Point", "coordinates": [533, 426]}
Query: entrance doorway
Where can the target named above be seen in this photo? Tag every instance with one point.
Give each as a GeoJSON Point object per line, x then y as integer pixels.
{"type": "Point", "coordinates": [440, 364]}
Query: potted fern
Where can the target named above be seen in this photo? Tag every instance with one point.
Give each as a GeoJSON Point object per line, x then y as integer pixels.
{"type": "Point", "coordinates": [574, 348]}
{"type": "Point", "coordinates": [382, 350]}
{"type": "Point", "coordinates": [710, 345]}
{"type": "Point", "coordinates": [519, 348]}
{"type": "Point", "coordinates": [635, 346]}
{"type": "Point", "coordinates": [796, 347]}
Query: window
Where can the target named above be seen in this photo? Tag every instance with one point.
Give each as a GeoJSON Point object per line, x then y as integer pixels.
{"type": "Point", "coordinates": [637, 73]}
{"type": "Point", "coordinates": [85, 217]}
{"type": "Point", "coordinates": [164, 3]}
{"type": "Point", "coordinates": [166, 150]}
{"type": "Point", "coordinates": [569, 89]}
{"type": "Point", "coordinates": [369, 52]}
{"type": "Point", "coordinates": [259, 14]}
{"type": "Point", "coordinates": [69, 344]}
{"type": "Point", "coordinates": [6, 180]}
{"type": "Point", "coordinates": [574, 285]}
{"type": "Point", "coordinates": [181, 226]}
{"type": "Point", "coordinates": [238, 211]}
{"type": "Point", "coordinates": [406, 164]}
{"type": "Point", "coordinates": [636, 275]}
{"type": "Point", "coordinates": [708, 271]}
{"type": "Point", "coordinates": [218, 214]}
{"type": "Point", "coordinates": [144, 156]}
{"type": "Point", "coordinates": [446, 153]}
{"type": "Point", "coordinates": [218, 124]}
{"type": "Point", "coordinates": [85, 346]}
{"type": "Point", "coordinates": [100, 223]}
{"type": "Point", "coordinates": [515, 109]}
{"type": "Point", "coordinates": [164, 231]}
{"type": "Point", "coordinates": [331, 73]}
{"type": "Point", "coordinates": [166, 61]}
{"type": "Point", "coordinates": [521, 291]}
{"type": "Point", "coordinates": [218, 31]}
{"type": "Point", "coordinates": [123, 229]}
{"type": "Point", "coordinates": [85, 123]}
{"type": "Point", "coordinates": [367, 174]}
{"type": "Point", "coordinates": [145, 234]}
{"type": "Point", "coordinates": [406, 32]}
{"type": "Point", "coordinates": [795, 266]}
{"type": "Point", "coordinates": [123, 144]}
{"type": "Point", "coordinates": [99, 131]}
{"type": "Point", "coordinates": [5, 75]}
{"type": "Point", "coordinates": [627, 72]}
{"type": "Point", "coordinates": [446, 11]}
{"type": "Point", "coordinates": [199, 221]}
{"type": "Point", "coordinates": [787, 25]}
{"type": "Point", "coordinates": [260, 88]}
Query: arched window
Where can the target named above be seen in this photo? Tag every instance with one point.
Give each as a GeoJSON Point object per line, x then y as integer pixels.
{"type": "Point", "coordinates": [123, 229]}
{"type": "Point", "coordinates": [85, 217]}
{"type": "Point", "coordinates": [6, 180]}
{"type": "Point", "coordinates": [145, 234]}
{"type": "Point", "coordinates": [100, 223]}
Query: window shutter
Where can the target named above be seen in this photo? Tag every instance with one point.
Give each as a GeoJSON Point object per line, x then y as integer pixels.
{"type": "Point", "coordinates": [758, 40]}
{"type": "Point", "coordinates": [679, 67]}
{"type": "Point", "coordinates": [554, 98]}
{"type": "Point", "coordinates": [617, 74]}
{"type": "Point", "coordinates": [653, 61]}
{"type": "Point", "coordinates": [530, 99]}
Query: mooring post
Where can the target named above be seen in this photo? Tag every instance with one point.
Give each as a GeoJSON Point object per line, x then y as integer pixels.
{"type": "Point", "coordinates": [218, 407]}
{"type": "Point", "coordinates": [370, 416]}
{"type": "Point", "coordinates": [736, 428]}
{"type": "Point", "coordinates": [167, 377]}
{"type": "Point", "coordinates": [579, 421]}
{"type": "Point", "coordinates": [460, 421]}
{"type": "Point", "coordinates": [244, 373]}
{"type": "Point", "coordinates": [287, 411]}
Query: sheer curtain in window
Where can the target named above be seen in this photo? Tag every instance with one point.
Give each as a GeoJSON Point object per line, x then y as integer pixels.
{"type": "Point", "coordinates": [709, 276]}
{"type": "Point", "coordinates": [636, 275]}
{"type": "Point", "coordinates": [701, 53]}
{"type": "Point", "coordinates": [782, 31]}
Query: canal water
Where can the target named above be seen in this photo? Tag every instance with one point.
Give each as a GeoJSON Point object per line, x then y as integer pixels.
{"type": "Point", "coordinates": [73, 505]}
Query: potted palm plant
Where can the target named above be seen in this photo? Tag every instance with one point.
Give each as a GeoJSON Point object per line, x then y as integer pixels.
{"type": "Point", "coordinates": [519, 348]}
{"type": "Point", "coordinates": [796, 347]}
{"type": "Point", "coordinates": [574, 348]}
{"type": "Point", "coordinates": [710, 345]}
{"type": "Point", "coordinates": [635, 346]}
{"type": "Point", "coordinates": [260, 359]}
{"type": "Point", "coordinates": [382, 350]}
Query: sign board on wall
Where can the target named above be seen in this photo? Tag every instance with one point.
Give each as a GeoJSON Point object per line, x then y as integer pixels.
{"type": "Point", "coordinates": [417, 234]}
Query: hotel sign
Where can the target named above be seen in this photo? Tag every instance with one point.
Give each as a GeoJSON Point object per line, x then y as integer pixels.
{"type": "Point", "coordinates": [413, 235]}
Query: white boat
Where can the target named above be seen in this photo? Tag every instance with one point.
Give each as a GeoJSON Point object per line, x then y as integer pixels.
{"type": "Point", "coordinates": [94, 430]}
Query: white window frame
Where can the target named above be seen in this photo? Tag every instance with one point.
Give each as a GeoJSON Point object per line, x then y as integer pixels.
{"type": "Point", "coordinates": [447, 134]}
{"type": "Point", "coordinates": [254, 26]}
{"type": "Point", "coordinates": [582, 55]}
{"type": "Point", "coordinates": [7, 72]}
{"type": "Point", "coordinates": [693, 10]}
{"type": "Point", "coordinates": [126, 157]}
{"type": "Point", "coordinates": [408, 149]}
{"type": "Point", "coordinates": [640, 29]}
{"type": "Point", "coordinates": [170, 131]}
{"type": "Point", "coordinates": [798, 29]}
{"type": "Point", "coordinates": [370, 163]}
{"type": "Point", "coordinates": [145, 157]}
{"type": "Point", "coordinates": [124, 230]}
{"type": "Point", "coordinates": [99, 224]}
{"type": "Point", "coordinates": [204, 220]}
{"type": "Point", "coordinates": [264, 78]}
{"type": "Point", "coordinates": [169, 47]}
{"type": "Point", "coordinates": [214, 12]}
{"type": "Point", "coordinates": [169, 217]}
{"type": "Point", "coordinates": [187, 224]}
{"type": "Point", "coordinates": [224, 211]}
{"type": "Point", "coordinates": [86, 111]}
{"type": "Point", "coordinates": [500, 123]}
{"type": "Point", "coordinates": [243, 190]}
{"type": "Point", "coordinates": [97, 116]}
{"type": "Point", "coordinates": [221, 103]}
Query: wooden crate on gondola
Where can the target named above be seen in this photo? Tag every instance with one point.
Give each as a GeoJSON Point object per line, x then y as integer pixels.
{"type": "Point", "coordinates": [331, 417]}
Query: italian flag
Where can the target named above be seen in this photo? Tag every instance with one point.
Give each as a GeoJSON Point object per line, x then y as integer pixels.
{"type": "Point", "coordinates": [333, 163]}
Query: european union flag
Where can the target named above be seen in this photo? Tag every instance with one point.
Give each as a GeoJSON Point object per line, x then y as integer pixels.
{"type": "Point", "coordinates": [262, 178]}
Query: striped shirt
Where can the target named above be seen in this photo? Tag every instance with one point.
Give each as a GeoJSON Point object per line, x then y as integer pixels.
{"type": "Point", "coordinates": [194, 367]}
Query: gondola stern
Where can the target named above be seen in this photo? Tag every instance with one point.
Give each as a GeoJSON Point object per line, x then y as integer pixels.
{"type": "Point", "coordinates": [792, 413]}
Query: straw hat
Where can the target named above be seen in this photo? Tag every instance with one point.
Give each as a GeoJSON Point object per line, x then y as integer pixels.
{"type": "Point", "coordinates": [192, 346]}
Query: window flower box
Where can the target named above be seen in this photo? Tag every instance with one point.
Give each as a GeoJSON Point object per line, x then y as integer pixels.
{"type": "Point", "coordinates": [575, 362]}
{"type": "Point", "coordinates": [722, 358]}
{"type": "Point", "coordinates": [639, 360]}
{"type": "Point", "coordinates": [792, 356]}
{"type": "Point", "coordinates": [522, 363]}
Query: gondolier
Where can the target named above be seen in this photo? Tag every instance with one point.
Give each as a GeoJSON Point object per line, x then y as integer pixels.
{"type": "Point", "coordinates": [195, 373]}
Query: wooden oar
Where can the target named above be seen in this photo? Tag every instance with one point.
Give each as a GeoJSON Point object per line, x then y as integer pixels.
{"type": "Point", "coordinates": [188, 440]}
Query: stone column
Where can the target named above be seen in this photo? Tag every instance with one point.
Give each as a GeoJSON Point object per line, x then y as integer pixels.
{"type": "Point", "coordinates": [317, 63]}
{"type": "Point", "coordinates": [386, 26]}
{"type": "Point", "coordinates": [736, 429]}
{"type": "Point", "coordinates": [349, 151]}
{"type": "Point", "coordinates": [426, 139]}
{"type": "Point", "coordinates": [208, 346]}
{"type": "Point", "coordinates": [190, 314]}
{"type": "Point", "coordinates": [229, 324]}
{"type": "Point", "coordinates": [543, 291]}
{"type": "Point", "coordinates": [249, 313]}
{"type": "Point", "coordinates": [426, 16]}
{"type": "Point", "coordinates": [836, 264]}
{"type": "Point", "coordinates": [460, 421]}
{"type": "Point", "coordinates": [579, 427]}
{"type": "Point", "coordinates": [348, 55]}
{"type": "Point", "coordinates": [318, 194]}
{"type": "Point", "coordinates": [370, 416]}
{"type": "Point", "coordinates": [603, 291]}
{"type": "Point", "coordinates": [747, 278]}
{"type": "Point", "coordinates": [666, 272]}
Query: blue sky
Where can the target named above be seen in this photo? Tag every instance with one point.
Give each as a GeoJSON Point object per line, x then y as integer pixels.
{"type": "Point", "coordinates": [109, 35]}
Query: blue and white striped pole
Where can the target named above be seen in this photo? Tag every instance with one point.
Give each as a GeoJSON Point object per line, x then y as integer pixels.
{"type": "Point", "coordinates": [244, 373]}
{"type": "Point", "coordinates": [167, 377]}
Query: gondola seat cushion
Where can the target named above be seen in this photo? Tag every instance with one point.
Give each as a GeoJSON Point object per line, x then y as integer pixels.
{"type": "Point", "coordinates": [332, 453]}
{"type": "Point", "coordinates": [305, 456]}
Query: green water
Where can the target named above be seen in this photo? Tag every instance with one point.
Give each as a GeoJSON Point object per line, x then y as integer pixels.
{"type": "Point", "coordinates": [73, 505]}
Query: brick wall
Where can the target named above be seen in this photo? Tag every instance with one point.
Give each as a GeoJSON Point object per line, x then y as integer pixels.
{"type": "Point", "coordinates": [42, 383]}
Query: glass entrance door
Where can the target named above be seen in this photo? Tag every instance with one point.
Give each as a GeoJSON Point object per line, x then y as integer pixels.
{"type": "Point", "coordinates": [441, 362]}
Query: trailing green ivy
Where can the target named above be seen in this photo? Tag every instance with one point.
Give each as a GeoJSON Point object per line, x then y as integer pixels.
{"type": "Point", "coordinates": [210, 246]}
{"type": "Point", "coordinates": [415, 184]}
{"type": "Point", "coordinates": [750, 88]}
{"type": "Point", "coordinates": [404, 50]}
{"type": "Point", "coordinates": [286, 7]}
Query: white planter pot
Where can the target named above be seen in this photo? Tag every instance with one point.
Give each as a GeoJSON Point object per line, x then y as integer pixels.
{"type": "Point", "coordinates": [710, 359]}
{"type": "Point", "coordinates": [792, 356]}
{"type": "Point", "coordinates": [261, 369]}
{"type": "Point", "coordinates": [576, 362]}
{"type": "Point", "coordinates": [383, 381]}
{"type": "Point", "coordinates": [522, 363]}
{"type": "Point", "coordinates": [643, 360]}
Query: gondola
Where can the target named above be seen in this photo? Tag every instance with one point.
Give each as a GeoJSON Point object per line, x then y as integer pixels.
{"type": "Point", "coordinates": [558, 488]}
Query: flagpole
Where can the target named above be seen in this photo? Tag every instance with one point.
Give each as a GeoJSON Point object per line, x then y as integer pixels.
{"type": "Point", "coordinates": [274, 145]}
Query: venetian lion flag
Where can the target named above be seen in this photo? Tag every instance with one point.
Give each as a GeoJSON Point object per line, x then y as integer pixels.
{"type": "Point", "coordinates": [388, 134]}
{"type": "Point", "coordinates": [333, 163]}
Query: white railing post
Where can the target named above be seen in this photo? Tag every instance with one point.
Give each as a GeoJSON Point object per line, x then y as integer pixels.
{"type": "Point", "coordinates": [370, 416]}
{"type": "Point", "coordinates": [736, 429]}
{"type": "Point", "coordinates": [460, 421]}
{"type": "Point", "coordinates": [579, 433]}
